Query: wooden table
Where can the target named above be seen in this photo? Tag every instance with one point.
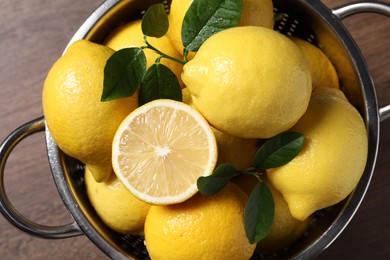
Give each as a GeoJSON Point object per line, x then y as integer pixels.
{"type": "Point", "coordinates": [33, 35]}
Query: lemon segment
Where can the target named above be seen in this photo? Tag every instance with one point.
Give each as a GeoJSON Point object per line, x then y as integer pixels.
{"type": "Point", "coordinates": [161, 149]}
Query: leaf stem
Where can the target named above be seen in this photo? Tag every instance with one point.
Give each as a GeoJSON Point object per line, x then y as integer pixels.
{"type": "Point", "coordinates": [185, 54]}
{"type": "Point", "coordinates": [163, 55]}
{"type": "Point", "coordinates": [258, 178]}
{"type": "Point", "coordinates": [250, 169]}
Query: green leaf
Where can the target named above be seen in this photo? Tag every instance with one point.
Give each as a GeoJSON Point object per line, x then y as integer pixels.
{"type": "Point", "coordinates": [155, 21]}
{"type": "Point", "coordinates": [207, 17]}
{"type": "Point", "coordinates": [221, 176]}
{"type": "Point", "coordinates": [123, 73]}
{"type": "Point", "coordinates": [159, 82]}
{"type": "Point", "coordinates": [278, 150]}
{"type": "Point", "coordinates": [259, 213]}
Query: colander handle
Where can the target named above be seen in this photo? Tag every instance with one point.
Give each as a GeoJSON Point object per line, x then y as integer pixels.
{"type": "Point", "coordinates": [362, 7]}
{"type": "Point", "coordinates": [366, 7]}
{"type": "Point", "coordinates": [6, 208]}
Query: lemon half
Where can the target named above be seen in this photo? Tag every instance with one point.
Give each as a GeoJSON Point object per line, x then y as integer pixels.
{"type": "Point", "coordinates": [161, 149]}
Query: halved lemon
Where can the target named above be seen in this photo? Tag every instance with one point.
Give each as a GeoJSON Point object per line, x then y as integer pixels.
{"type": "Point", "coordinates": [161, 149]}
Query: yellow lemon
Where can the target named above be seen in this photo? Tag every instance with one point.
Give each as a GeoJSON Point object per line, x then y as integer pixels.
{"type": "Point", "coordinates": [161, 149]}
{"type": "Point", "coordinates": [115, 205]}
{"type": "Point", "coordinates": [203, 227]}
{"type": "Point", "coordinates": [238, 152]}
{"type": "Point", "coordinates": [322, 70]}
{"type": "Point", "coordinates": [254, 12]}
{"type": "Point", "coordinates": [130, 35]}
{"type": "Point", "coordinates": [81, 125]}
{"type": "Point", "coordinates": [249, 82]}
{"type": "Point", "coordinates": [186, 96]}
{"type": "Point", "coordinates": [285, 229]}
{"type": "Point", "coordinates": [332, 160]}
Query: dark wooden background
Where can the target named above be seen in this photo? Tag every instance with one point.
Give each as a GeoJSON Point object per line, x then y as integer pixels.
{"type": "Point", "coordinates": [33, 35]}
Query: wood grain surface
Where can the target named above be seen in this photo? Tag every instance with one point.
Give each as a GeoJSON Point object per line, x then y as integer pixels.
{"type": "Point", "coordinates": [33, 35]}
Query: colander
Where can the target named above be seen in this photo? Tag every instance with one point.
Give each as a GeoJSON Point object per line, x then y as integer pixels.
{"type": "Point", "coordinates": [308, 19]}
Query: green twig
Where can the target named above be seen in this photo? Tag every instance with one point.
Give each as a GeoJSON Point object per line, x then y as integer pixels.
{"type": "Point", "coordinates": [163, 55]}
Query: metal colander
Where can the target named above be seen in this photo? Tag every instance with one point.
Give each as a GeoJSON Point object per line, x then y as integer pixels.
{"type": "Point", "coordinates": [309, 20]}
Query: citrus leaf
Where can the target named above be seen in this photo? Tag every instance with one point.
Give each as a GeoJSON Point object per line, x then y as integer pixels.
{"type": "Point", "coordinates": [207, 17]}
{"type": "Point", "coordinates": [123, 73]}
{"type": "Point", "coordinates": [221, 176]}
{"type": "Point", "coordinates": [278, 150]}
{"type": "Point", "coordinates": [159, 82]}
{"type": "Point", "coordinates": [155, 21]}
{"type": "Point", "coordinates": [259, 213]}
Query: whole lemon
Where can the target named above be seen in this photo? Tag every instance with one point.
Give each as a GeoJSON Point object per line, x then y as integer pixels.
{"type": "Point", "coordinates": [254, 12]}
{"type": "Point", "coordinates": [322, 70]}
{"type": "Point", "coordinates": [203, 227]}
{"type": "Point", "coordinates": [81, 125]}
{"type": "Point", "coordinates": [130, 35]}
{"type": "Point", "coordinates": [236, 151]}
{"type": "Point", "coordinates": [285, 229]}
{"type": "Point", "coordinates": [115, 205]}
{"type": "Point", "coordinates": [186, 96]}
{"type": "Point", "coordinates": [332, 160]}
{"type": "Point", "coordinates": [250, 82]}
